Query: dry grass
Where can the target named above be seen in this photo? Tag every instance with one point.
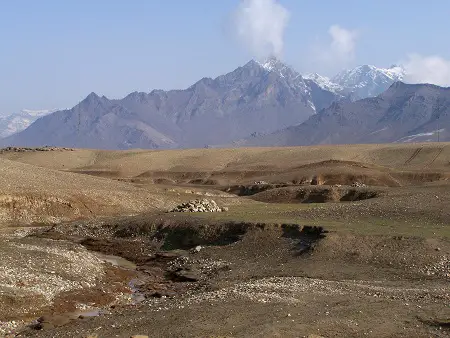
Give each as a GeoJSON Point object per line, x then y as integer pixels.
{"type": "Point", "coordinates": [381, 244]}
{"type": "Point", "coordinates": [47, 186]}
{"type": "Point", "coordinates": [34, 194]}
{"type": "Point", "coordinates": [134, 163]}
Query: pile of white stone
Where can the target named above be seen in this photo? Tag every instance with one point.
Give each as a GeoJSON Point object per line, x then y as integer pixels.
{"type": "Point", "coordinates": [202, 205]}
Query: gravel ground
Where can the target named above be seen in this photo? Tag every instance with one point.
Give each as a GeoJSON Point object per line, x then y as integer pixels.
{"type": "Point", "coordinates": [288, 289]}
{"type": "Point", "coordinates": [280, 307]}
{"type": "Point", "coordinates": [34, 271]}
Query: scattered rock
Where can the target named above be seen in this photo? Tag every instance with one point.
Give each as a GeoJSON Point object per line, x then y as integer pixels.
{"type": "Point", "coordinates": [202, 205]}
{"type": "Point", "coordinates": [317, 180]}
{"type": "Point", "coordinates": [359, 185]}
{"type": "Point", "coordinates": [197, 249]}
{"type": "Point", "coordinates": [24, 149]}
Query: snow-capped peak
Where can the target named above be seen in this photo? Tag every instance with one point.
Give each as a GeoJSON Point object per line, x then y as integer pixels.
{"type": "Point", "coordinates": [273, 64]}
{"type": "Point", "coordinates": [323, 82]}
{"type": "Point", "coordinates": [38, 113]}
{"type": "Point", "coordinates": [17, 122]}
{"type": "Point", "coordinates": [366, 73]}
{"type": "Point", "coordinates": [368, 80]}
{"type": "Point", "coordinates": [397, 73]}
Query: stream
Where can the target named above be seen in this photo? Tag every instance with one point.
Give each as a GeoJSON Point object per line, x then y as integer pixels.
{"type": "Point", "coordinates": [122, 263]}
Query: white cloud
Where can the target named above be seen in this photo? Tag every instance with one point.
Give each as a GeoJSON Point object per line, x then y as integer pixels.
{"type": "Point", "coordinates": [260, 26]}
{"type": "Point", "coordinates": [427, 69]}
{"type": "Point", "coordinates": [337, 52]}
{"type": "Point", "coordinates": [343, 43]}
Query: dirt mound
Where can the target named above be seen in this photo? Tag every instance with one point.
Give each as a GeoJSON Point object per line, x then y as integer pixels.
{"type": "Point", "coordinates": [99, 173]}
{"type": "Point", "coordinates": [34, 194]}
{"type": "Point", "coordinates": [203, 181]}
{"type": "Point", "coordinates": [315, 194]}
{"type": "Point", "coordinates": [39, 209]}
{"type": "Point", "coordinates": [248, 190]}
{"type": "Point", "coordinates": [412, 177]}
{"type": "Point", "coordinates": [163, 181]}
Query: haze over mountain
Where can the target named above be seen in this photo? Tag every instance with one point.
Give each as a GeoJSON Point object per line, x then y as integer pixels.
{"type": "Point", "coordinates": [403, 113]}
{"type": "Point", "coordinates": [14, 123]}
{"type": "Point", "coordinates": [256, 99]}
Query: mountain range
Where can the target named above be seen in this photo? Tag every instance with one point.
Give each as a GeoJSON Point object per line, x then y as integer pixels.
{"type": "Point", "coordinates": [255, 103]}
{"type": "Point", "coordinates": [360, 82]}
{"type": "Point", "coordinates": [14, 123]}
{"type": "Point", "coordinates": [403, 113]}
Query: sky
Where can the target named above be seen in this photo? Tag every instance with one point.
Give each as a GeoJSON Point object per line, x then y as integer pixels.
{"type": "Point", "coordinates": [54, 53]}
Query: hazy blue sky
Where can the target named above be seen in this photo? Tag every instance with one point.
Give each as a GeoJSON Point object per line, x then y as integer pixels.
{"type": "Point", "coordinates": [55, 52]}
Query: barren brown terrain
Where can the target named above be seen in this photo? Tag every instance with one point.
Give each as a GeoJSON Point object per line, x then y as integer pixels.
{"type": "Point", "coordinates": [321, 241]}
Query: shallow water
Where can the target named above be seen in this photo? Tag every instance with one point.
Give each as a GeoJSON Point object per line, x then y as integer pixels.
{"type": "Point", "coordinates": [137, 296]}
{"type": "Point", "coordinates": [117, 261]}
{"type": "Point", "coordinates": [91, 313]}
{"type": "Point", "coordinates": [122, 263]}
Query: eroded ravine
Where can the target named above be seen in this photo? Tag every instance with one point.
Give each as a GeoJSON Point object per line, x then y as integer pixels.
{"type": "Point", "coordinates": [173, 266]}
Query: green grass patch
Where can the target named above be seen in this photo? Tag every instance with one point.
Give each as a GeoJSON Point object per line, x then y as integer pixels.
{"type": "Point", "coordinates": [283, 213]}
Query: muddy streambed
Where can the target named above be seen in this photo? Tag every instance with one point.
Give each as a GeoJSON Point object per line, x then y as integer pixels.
{"type": "Point", "coordinates": [138, 280]}
{"type": "Point", "coordinates": [58, 281]}
{"type": "Point", "coordinates": [136, 297]}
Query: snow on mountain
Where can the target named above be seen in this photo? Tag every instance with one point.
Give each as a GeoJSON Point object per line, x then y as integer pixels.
{"type": "Point", "coordinates": [14, 123]}
{"type": "Point", "coordinates": [324, 82]}
{"type": "Point", "coordinates": [292, 77]}
{"type": "Point", "coordinates": [367, 80]}
{"type": "Point", "coordinates": [37, 113]}
{"type": "Point", "coordinates": [272, 64]}
{"type": "Point", "coordinates": [397, 73]}
{"type": "Point", "coordinates": [404, 113]}
{"type": "Point", "coordinates": [359, 82]}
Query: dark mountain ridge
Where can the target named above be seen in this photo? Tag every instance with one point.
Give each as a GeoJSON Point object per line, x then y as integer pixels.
{"type": "Point", "coordinates": [403, 113]}
{"type": "Point", "coordinates": [250, 99]}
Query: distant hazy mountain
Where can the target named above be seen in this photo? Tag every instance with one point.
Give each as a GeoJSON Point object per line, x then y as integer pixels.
{"type": "Point", "coordinates": [403, 113]}
{"type": "Point", "coordinates": [14, 123]}
{"type": "Point", "coordinates": [95, 122]}
{"type": "Point", "coordinates": [254, 98]}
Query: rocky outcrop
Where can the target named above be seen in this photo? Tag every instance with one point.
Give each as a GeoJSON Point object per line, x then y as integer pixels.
{"type": "Point", "coordinates": [202, 205]}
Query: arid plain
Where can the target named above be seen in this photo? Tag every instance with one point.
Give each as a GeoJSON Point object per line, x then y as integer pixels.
{"type": "Point", "coordinates": [331, 241]}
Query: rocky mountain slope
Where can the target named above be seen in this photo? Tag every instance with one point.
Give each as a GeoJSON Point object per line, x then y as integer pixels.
{"type": "Point", "coordinates": [96, 122]}
{"type": "Point", "coordinates": [17, 122]}
{"type": "Point", "coordinates": [404, 113]}
{"type": "Point", "coordinates": [254, 98]}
